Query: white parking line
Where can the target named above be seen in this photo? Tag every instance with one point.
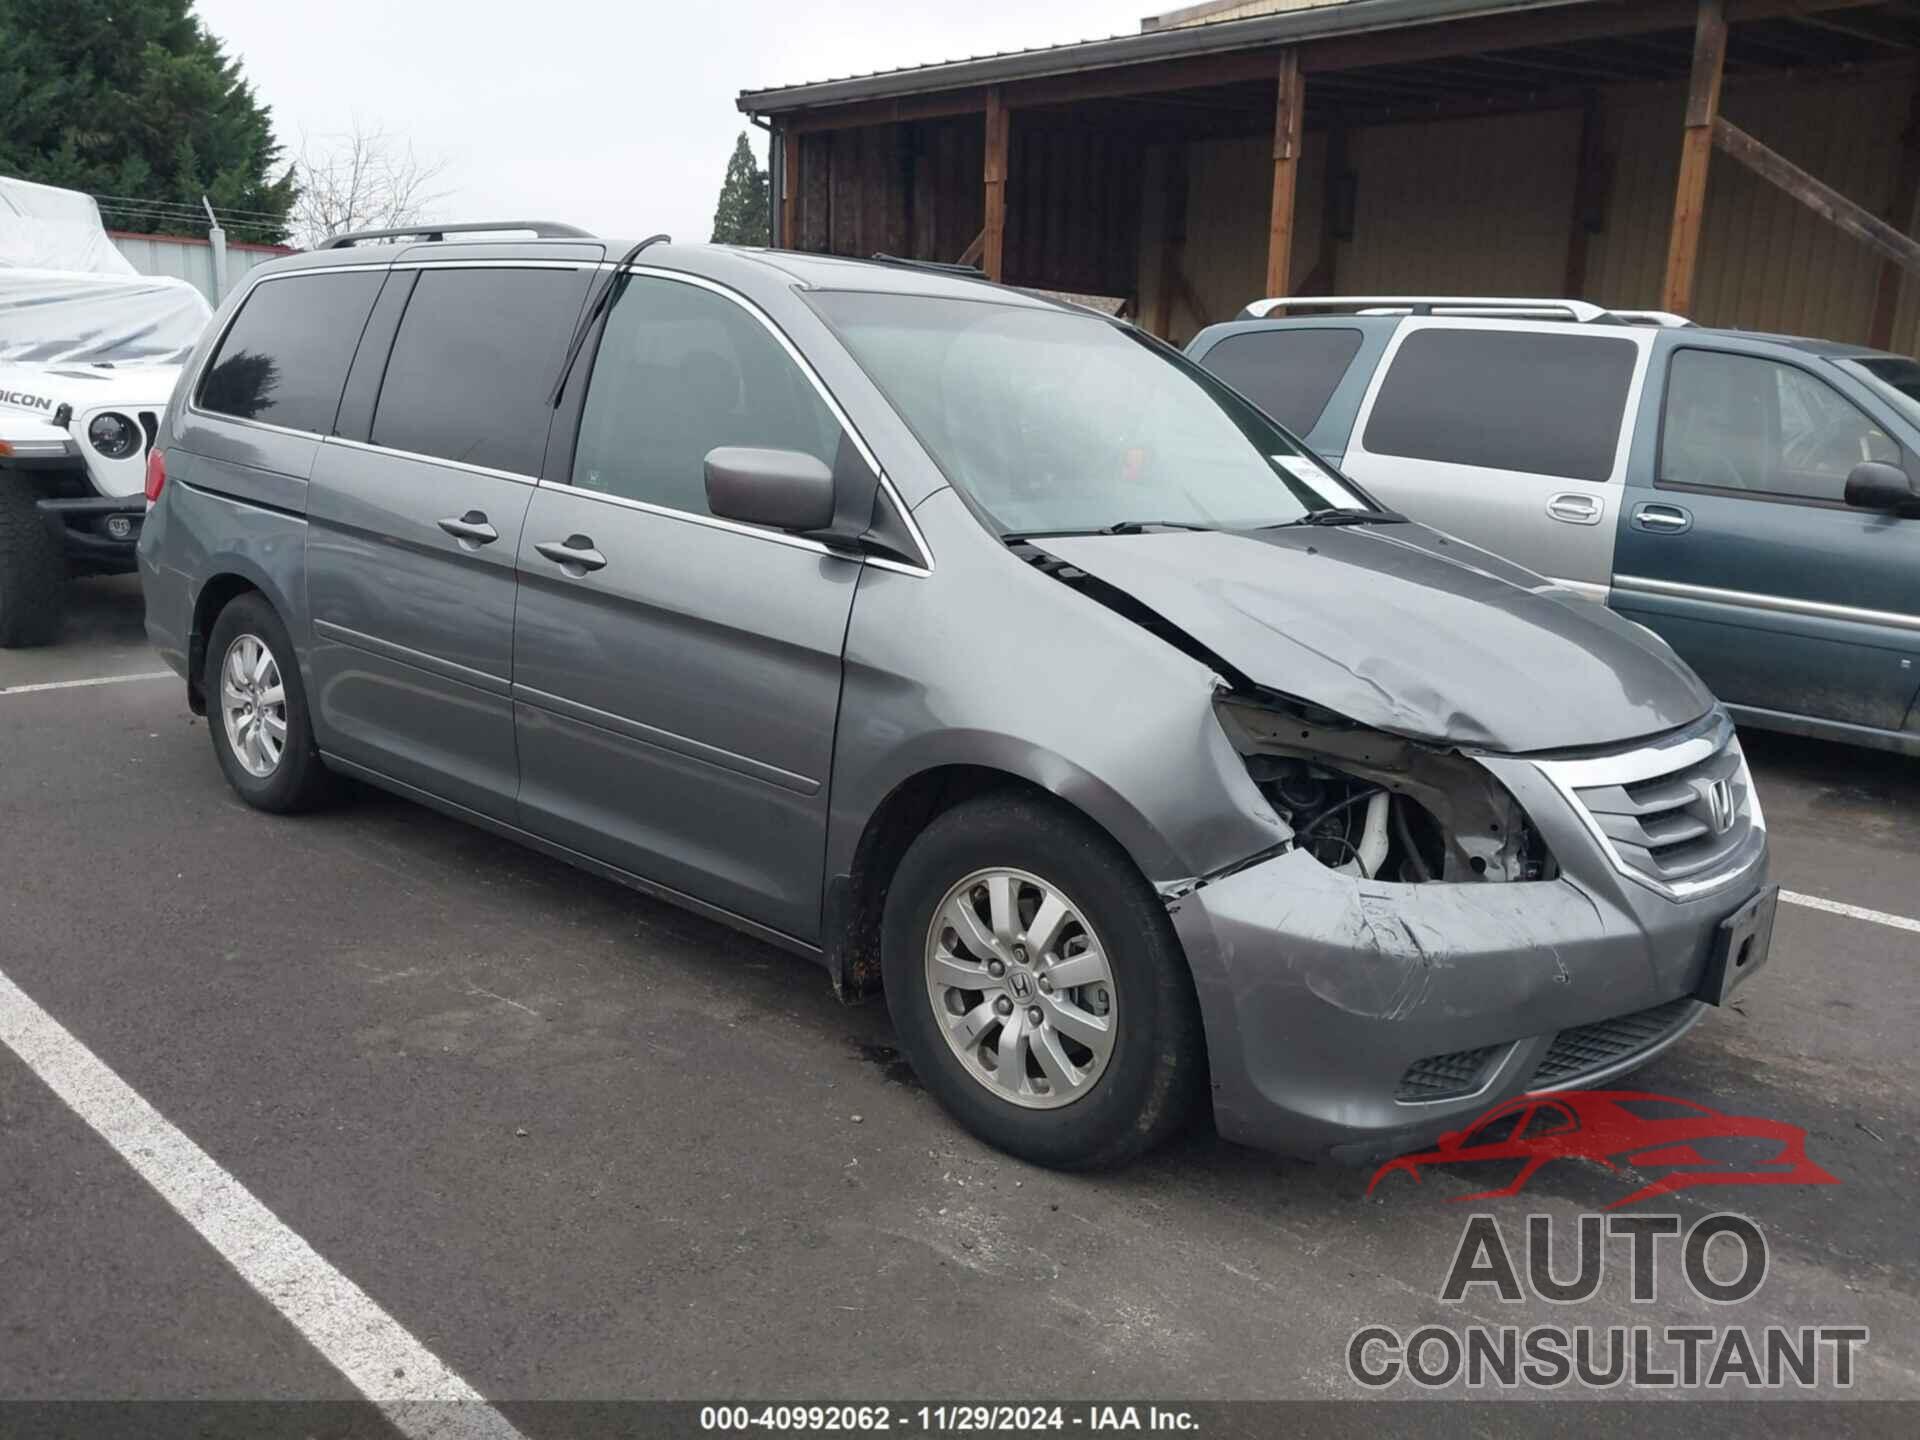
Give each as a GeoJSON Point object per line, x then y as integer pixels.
{"type": "Point", "coordinates": [418, 1393]}
{"type": "Point", "coordinates": [1852, 912]}
{"type": "Point", "coordinates": [96, 680]}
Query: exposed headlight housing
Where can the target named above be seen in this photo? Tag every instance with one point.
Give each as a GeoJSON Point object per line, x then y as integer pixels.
{"type": "Point", "coordinates": [1379, 806]}
{"type": "Point", "coordinates": [114, 435]}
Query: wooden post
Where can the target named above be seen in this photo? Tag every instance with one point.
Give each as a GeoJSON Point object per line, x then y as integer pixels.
{"type": "Point", "coordinates": [993, 250]}
{"type": "Point", "coordinates": [1289, 105]}
{"type": "Point", "coordinates": [789, 189]}
{"type": "Point", "coordinates": [1696, 149]}
{"type": "Point", "coordinates": [1588, 196]}
{"type": "Point", "coordinates": [1906, 189]}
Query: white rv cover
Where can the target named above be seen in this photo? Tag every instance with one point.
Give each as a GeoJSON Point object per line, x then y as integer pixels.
{"type": "Point", "coordinates": [54, 317]}
{"type": "Point", "coordinates": [42, 228]}
{"type": "Point", "coordinates": [68, 297]}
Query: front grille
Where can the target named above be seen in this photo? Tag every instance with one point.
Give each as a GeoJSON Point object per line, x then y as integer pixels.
{"type": "Point", "coordinates": [1586, 1049]}
{"type": "Point", "coordinates": [1442, 1077]}
{"type": "Point", "coordinates": [1673, 825]}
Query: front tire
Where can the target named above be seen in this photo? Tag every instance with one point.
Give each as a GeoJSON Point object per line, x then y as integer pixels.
{"type": "Point", "coordinates": [33, 571]}
{"type": "Point", "coordinates": [1037, 986]}
{"type": "Point", "coordinates": [257, 711]}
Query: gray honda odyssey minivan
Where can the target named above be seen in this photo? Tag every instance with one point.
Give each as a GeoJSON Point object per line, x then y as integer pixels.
{"type": "Point", "coordinates": [982, 648]}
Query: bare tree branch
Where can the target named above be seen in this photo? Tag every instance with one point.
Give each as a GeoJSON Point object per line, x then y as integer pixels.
{"type": "Point", "coordinates": [363, 179]}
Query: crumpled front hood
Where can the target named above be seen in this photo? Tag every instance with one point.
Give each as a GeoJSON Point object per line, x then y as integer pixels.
{"type": "Point", "coordinates": [1408, 631]}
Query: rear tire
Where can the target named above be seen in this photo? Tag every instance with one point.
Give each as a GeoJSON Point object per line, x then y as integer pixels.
{"type": "Point", "coordinates": [1106, 1060]}
{"type": "Point", "coordinates": [257, 711]}
{"type": "Point", "coordinates": [33, 571]}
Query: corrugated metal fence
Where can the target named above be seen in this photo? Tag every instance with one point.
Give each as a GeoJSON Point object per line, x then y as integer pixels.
{"type": "Point", "coordinates": [190, 258]}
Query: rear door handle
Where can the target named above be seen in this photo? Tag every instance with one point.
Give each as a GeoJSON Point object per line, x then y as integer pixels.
{"type": "Point", "coordinates": [1576, 507]}
{"type": "Point", "coordinates": [1662, 519]}
{"type": "Point", "coordinates": [575, 554]}
{"type": "Point", "coordinates": [471, 529]}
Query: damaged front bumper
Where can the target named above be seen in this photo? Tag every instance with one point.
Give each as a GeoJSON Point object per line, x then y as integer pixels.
{"type": "Point", "coordinates": [1356, 1019]}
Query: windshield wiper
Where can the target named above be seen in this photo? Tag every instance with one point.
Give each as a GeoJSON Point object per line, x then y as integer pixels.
{"type": "Point", "coordinates": [1342, 515]}
{"type": "Point", "coordinates": [1140, 527]}
{"type": "Point", "coordinates": [1119, 527]}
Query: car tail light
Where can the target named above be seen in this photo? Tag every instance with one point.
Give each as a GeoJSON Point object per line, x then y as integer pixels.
{"type": "Point", "coordinates": [156, 474]}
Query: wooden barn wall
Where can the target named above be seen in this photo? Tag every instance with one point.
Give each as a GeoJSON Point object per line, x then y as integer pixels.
{"type": "Point", "coordinates": [1224, 258]}
{"type": "Point", "coordinates": [1767, 262]}
{"type": "Point", "coordinates": [1073, 209]}
{"type": "Point", "coordinates": [919, 190]}
{"type": "Point", "coordinates": [1478, 207]}
{"type": "Point", "coordinates": [1485, 206]}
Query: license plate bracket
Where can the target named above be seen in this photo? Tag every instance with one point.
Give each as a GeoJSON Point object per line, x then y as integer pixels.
{"type": "Point", "coordinates": [1740, 947]}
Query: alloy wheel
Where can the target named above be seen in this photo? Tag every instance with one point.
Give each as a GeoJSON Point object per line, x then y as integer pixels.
{"type": "Point", "coordinates": [253, 705]}
{"type": "Point", "coordinates": [1021, 988]}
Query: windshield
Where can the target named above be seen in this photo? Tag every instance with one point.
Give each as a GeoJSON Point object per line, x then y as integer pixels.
{"type": "Point", "coordinates": [1896, 379]}
{"type": "Point", "coordinates": [1057, 422]}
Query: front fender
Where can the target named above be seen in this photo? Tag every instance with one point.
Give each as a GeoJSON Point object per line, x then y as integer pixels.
{"type": "Point", "coordinates": [989, 662]}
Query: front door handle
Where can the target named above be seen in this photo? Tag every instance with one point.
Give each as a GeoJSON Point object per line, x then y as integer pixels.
{"type": "Point", "coordinates": [1662, 519]}
{"type": "Point", "coordinates": [471, 529]}
{"type": "Point", "coordinates": [1576, 507]}
{"type": "Point", "coordinates": [575, 554]}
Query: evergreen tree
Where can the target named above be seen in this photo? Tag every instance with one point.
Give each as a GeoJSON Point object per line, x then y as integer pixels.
{"type": "Point", "coordinates": [741, 216]}
{"type": "Point", "coordinates": [135, 99]}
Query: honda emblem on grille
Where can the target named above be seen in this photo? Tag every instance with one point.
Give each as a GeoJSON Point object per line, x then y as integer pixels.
{"type": "Point", "coordinates": [1719, 799]}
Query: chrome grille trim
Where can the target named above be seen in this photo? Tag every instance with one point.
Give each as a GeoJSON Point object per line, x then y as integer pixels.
{"type": "Point", "coordinates": [1649, 809]}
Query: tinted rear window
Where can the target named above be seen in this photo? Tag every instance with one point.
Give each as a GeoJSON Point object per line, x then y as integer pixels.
{"type": "Point", "coordinates": [1505, 400]}
{"type": "Point", "coordinates": [284, 359]}
{"type": "Point", "coordinates": [1290, 374]}
{"type": "Point", "coordinates": [474, 363]}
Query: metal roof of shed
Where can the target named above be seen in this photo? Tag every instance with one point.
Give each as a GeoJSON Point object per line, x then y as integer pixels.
{"type": "Point", "coordinates": [1214, 37]}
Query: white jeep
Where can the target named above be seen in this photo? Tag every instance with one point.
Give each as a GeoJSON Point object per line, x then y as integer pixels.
{"type": "Point", "coordinates": [89, 351]}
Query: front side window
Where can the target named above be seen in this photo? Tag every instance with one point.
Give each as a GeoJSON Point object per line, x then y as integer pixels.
{"type": "Point", "coordinates": [1896, 378]}
{"type": "Point", "coordinates": [1053, 421]}
{"type": "Point", "coordinates": [1290, 374]}
{"type": "Point", "coordinates": [1742, 422]}
{"type": "Point", "coordinates": [473, 366]}
{"type": "Point", "coordinates": [284, 359]}
{"type": "Point", "coordinates": [1530, 401]}
{"type": "Point", "coordinates": [682, 371]}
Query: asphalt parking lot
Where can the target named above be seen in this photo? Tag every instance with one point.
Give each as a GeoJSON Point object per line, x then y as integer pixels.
{"type": "Point", "coordinates": [578, 1144]}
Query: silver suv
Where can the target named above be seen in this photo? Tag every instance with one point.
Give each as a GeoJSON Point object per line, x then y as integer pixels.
{"type": "Point", "coordinates": [981, 648]}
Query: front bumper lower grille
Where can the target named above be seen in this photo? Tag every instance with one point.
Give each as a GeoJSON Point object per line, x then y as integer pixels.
{"type": "Point", "coordinates": [1588, 1049]}
{"type": "Point", "coordinates": [1574, 1055]}
{"type": "Point", "coordinates": [1445, 1077]}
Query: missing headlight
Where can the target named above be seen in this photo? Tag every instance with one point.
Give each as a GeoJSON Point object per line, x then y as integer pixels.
{"type": "Point", "coordinates": [1370, 804]}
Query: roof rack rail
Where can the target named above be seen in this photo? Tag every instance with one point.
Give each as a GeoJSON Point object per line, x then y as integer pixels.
{"type": "Point", "coordinates": [539, 229]}
{"type": "Point", "coordinates": [1580, 311]}
{"type": "Point", "coordinates": [939, 267]}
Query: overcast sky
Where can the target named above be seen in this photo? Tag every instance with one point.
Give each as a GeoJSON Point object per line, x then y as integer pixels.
{"type": "Point", "coordinates": [614, 114]}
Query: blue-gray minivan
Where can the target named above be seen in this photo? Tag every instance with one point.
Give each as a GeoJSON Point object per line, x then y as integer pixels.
{"type": "Point", "coordinates": [976, 646]}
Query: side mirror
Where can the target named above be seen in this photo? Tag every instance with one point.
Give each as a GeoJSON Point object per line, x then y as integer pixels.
{"type": "Point", "coordinates": [1874, 486]}
{"type": "Point", "coordinates": [781, 489]}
